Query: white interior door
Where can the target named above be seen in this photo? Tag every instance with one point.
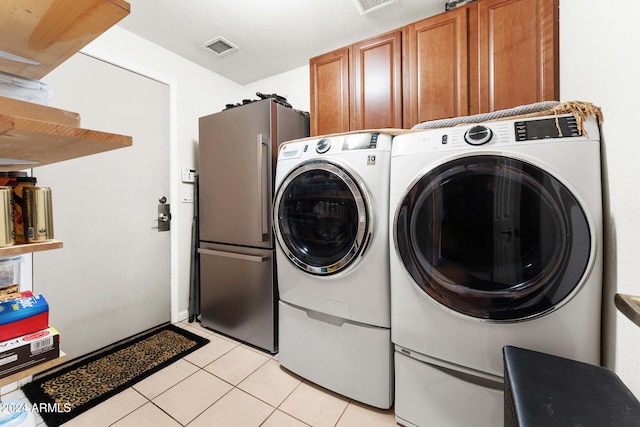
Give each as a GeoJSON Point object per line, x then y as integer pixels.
{"type": "Point", "coordinates": [111, 279]}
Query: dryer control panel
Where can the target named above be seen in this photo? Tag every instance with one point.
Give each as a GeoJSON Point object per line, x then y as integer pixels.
{"type": "Point", "coordinates": [560, 127]}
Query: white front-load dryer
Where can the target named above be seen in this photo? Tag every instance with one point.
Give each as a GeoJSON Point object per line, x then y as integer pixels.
{"type": "Point", "coordinates": [496, 239]}
{"type": "Point", "coordinates": [331, 223]}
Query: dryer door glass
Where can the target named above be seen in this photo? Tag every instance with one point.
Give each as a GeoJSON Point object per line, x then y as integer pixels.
{"type": "Point", "coordinates": [493, 238]}
{"type": "Point", "coordinates": [322, 217]}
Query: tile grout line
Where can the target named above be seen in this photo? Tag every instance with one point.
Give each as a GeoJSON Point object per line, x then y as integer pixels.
{"type": "Point", "coordinates": [129, 413]}
{"type": "Point", "coordinates": [275, 408]}
{"type": "Point", "coordinates": [199, 368]}
{"type": "Point", "coordinates": [268, 357]}
{"type": "Point", "coordinates": [283, 400]}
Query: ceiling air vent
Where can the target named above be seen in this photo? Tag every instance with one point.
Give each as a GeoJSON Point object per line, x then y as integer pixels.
{"type": "Point", "coordinates": [220, 46]}
{"type": "Point", "coordinates": [366, 6]}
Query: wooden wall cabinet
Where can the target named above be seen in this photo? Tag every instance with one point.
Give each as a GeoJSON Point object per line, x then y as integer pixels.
{"type": "Point", "coordinates": [518, 52]}
{"type": "Point", "coordinates": [488, 55]}
{"type": "Point", "coordinates": [330, 92]}
{"type": "Point", "coordinates": [438, 67]}
{"type": "Point", "coordinates": [485, 56]}
{"type": "Point", "coordinates": [358, 87]}
{"type": "Point", "coordinates": [376, 85]}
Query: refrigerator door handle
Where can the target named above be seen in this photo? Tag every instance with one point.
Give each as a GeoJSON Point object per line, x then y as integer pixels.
{"type": "Point", "coordinates": [234, 255]}
{"type": "Point", "coordinates": [263, 149]}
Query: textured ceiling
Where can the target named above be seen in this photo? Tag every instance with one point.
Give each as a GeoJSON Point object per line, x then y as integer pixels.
{"type": "Point", "coordinates": [273, 36]}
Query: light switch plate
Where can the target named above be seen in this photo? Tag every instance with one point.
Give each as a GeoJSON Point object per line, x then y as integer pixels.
{"type": "Point", "coordinates": [187, 196]}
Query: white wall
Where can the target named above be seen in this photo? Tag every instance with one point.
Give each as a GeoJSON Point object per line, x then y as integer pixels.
{"type": "Point", "coordinates": [293, 85]}
{"type": "Point", "coordinates": [599, 62]}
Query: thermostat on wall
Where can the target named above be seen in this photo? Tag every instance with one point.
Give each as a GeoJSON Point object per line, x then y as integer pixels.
{"type": "Point", "coordinates": [188, 175]}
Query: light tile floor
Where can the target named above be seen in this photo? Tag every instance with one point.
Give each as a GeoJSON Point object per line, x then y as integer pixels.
{"type": "Point", "coordinates": [226, 383]}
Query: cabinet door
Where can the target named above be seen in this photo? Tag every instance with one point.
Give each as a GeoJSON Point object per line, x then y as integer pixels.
{"type": "Point", "coordinates": [376, 91]}
{"type": "Point", "coordinates": [330, 92]}
{"type": "Point", "coordinates": [518, 51]}
{"type": "Point", "coordinates": [438, 85]}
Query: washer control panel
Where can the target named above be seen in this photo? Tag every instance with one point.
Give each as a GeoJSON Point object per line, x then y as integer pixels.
{"type": "Point", "coordinates": [331, 145]}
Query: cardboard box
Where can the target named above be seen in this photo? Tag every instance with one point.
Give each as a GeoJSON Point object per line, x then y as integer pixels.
{"type": "Point", "coordinates": [11, 292]}
{"type": "Point", "coordinates": [23, 316]}
{"type": "Point", "coordinates": [26, 351]}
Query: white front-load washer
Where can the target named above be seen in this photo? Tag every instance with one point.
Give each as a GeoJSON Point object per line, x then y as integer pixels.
{"type": "Point", "coordinates": [496, 239]}
{"type": "Point", "coordinates": [331, 222]}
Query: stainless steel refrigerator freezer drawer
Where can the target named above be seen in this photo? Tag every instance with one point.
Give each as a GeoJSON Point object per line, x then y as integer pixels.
{"type": "Point", "coordinates": [239, 293]}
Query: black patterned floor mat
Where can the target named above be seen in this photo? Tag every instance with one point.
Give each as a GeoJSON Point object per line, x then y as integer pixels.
{"type": "Point", "coordinates": [74, 389]}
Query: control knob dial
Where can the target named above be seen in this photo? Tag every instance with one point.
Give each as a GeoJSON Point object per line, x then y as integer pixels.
{"type": "Point", "coordinates": [323, 146]}
{"type": "Point", "coordinates": [478, 135]}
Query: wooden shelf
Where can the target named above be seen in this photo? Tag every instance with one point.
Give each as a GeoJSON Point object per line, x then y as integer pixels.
{"type": "Point", "coordinates": [29, 247]}
{"type": "Point", "coordinates": [31, 110]}
{"type": "Point", "coordinates": [48, 32]}
{"type": "Point", "coordinates": [28, 143]}
{"type": "Point", "coordinates": [33, 370]}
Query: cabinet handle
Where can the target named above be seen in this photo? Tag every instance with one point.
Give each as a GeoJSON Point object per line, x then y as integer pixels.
{"type": "Point", "coordinates": [263, 165]}
{"type": "Point", "coordinates": [253, 258]}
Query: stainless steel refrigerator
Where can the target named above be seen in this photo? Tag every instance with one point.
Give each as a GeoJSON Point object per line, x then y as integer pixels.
{"type": "Point", "coordinates": [237, 155]}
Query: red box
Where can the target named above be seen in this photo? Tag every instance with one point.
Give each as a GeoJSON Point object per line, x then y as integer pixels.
{"type": "Point", "coordinates": [24, 352]}
{"type": "Point", "coordinates": [21, 316]}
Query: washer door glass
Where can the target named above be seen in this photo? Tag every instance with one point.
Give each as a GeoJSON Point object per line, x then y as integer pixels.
{"type": "Point", "coordinates": [322, 217]}
{"type": "Point", "coordinates": [493, 237]}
